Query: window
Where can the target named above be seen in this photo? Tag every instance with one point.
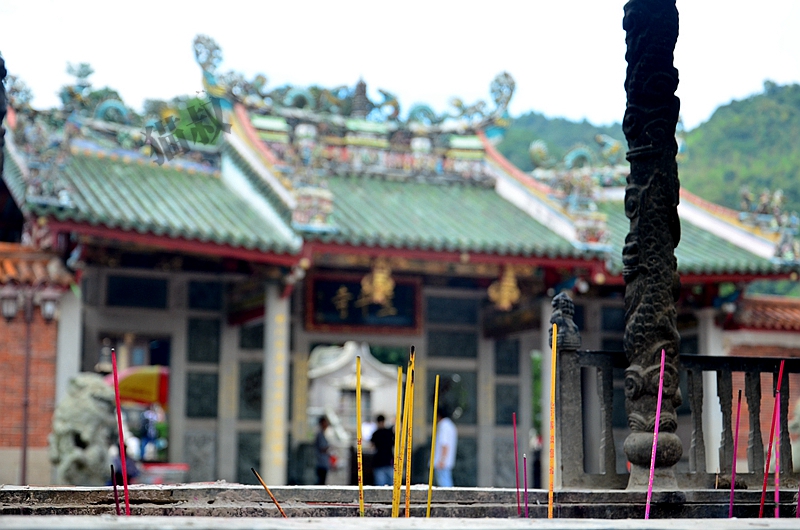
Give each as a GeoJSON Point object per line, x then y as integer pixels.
{"type": "Point", "coordinates": [251, 337]}
{"type": "Point", "coordinates": [131, 291]}
{"type": "Point", "coordinates": [205, 295]}
{"type": "Point", "coordinates": [453, 344]}
{"type": "Point", "coordinates": [452, 310]}
{"type": "Point", "coordinates": [201, 395]}
{"type": "Point", "coordinates": [204, 340]}
{"type": "Point", "coordinates": [506, 357]}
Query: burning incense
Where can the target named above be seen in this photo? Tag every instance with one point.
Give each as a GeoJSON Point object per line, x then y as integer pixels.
{"type": "Point", "coordinates": [655, 435]}
{"type": "Point", "coordinates": [410, 440]}
{"type": "Point", "coordinates": [116, 493]}
{"type": "Point", "coordinates": [123, 454]}
{"type": "Point", "coordinates": [778, 460]}
{"type": "Point", "coordinates": [525, 471]}
{"type": "Point", "coordinates": [360, 457]}
{"type": "Point", "coordinates": [398, 466]}
{"type": "Point", "coordinates": [433, 443]}
{"type": "Point", "coordinates": [735, 451]}
{"type": "Point", "coordinates": [771, 439]}
{"type": "Point", "coordinates": [552, 427]}
{"type": "Point", "coordinates": [516, 461]}
{"type": "Point", "coordinates": [271, 496]}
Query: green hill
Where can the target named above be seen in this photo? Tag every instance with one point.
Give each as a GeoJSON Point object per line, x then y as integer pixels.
{"type": "Point", "coordinates": [559, 134]}
{"type": "Point", "coordinates": [752, 142]}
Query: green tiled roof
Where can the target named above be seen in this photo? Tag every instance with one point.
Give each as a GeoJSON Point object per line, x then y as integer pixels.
{"type": "Point", "coordinates": [376, 212]}
{"type": "Point", "coordinates": [699, 251]}
{"type": "Point", "coordinates": [163, 201]}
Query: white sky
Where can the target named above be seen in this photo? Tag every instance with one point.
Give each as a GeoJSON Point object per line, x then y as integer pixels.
{"type": "Point", "coordinates": [567, 56]}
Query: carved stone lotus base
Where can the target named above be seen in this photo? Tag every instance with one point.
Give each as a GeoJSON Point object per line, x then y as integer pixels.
{"type": "Point", "coordinates": [638, 447]}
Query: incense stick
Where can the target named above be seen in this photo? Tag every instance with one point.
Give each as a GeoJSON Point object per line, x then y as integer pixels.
{"type": "Point", "coordinates": [771, 439]}
{"type": "Point", "coordinates": [655, 435]}
{"type": "Point", "coordinates": [735, 451]}
{"type": "Point", "coordinates": [552, 425]}
{"type": "Point", "coordinates": [123, 454]}
{"type": "Point", "coordinates": [271, 496]}
{"type": "Point", "coordinates": [778, 460]}
{"type": "Point", "coordinates": [116, 493]}
{"type": "Point", "coordinates": [360, 456]}
{"type": "Point", "coordinates": [403, 433]}
{"type": "Point", "coordinates": [433, 442]}
{"type": "Point", "coordinates": [525, 471]}
{"type": "Point", "coordinates": [516, 460]}
{"type": "Point", "coordinates": [398, 466]}
{"type": "Point", "coordinates": [410, 440]}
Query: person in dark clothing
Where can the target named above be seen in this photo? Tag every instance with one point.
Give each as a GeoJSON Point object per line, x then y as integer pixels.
{"type": "Point", "coordinates": [322, 450]}
{"type": "Point", "coordinates": [383, 461]}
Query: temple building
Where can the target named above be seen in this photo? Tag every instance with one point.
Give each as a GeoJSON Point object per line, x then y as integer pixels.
{"type": "Point", "coordinates": [228, 236]}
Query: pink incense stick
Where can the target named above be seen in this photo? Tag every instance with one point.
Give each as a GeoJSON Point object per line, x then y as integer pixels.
{"type": "Point", "coordinates": [771, 439]}
{"type": "Point", "coordinates": [525, 471]}
{"type": "Point", "coordinates": [655, 435]}
{"type": "Point", "coordinates": [735, 451]}
{"type": "Point", "coordinates": [122, 453]}
{"type": "Point", "coordinates": [516, 460]}
{"type": "Point", "coordinates": [778, 460]}
{"type": "Point", "coordinates": [114, 483]}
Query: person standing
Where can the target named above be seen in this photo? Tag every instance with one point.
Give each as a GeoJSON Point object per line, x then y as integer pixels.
{"type": "Point", "coordinates": [383, 461]}
{"type": "Point", "coordinates": [322, 450]}
{"type": "Point", "coordinates": [446, 443]}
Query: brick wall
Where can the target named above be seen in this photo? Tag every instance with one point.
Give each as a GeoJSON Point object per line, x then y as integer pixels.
{"type": "Point", "coordinates": [42, 380]}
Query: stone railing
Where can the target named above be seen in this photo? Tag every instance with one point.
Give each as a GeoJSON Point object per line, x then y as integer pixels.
{"type": "Point", "coordinates": [571, 417]}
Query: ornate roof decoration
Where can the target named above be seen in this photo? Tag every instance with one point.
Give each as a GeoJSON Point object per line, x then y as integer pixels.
{"type": "Point", "coordinates": [41, 141]}
{"type": "Point", "coordinates": [574, 183]}
{"type": "Point", "coordinates": [315, 133]}
{"type": "Point", "coordinates": [769, 217]}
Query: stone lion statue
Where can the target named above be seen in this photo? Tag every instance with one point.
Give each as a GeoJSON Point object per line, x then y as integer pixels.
{"type": "Point", "coordinates": [84, 427]}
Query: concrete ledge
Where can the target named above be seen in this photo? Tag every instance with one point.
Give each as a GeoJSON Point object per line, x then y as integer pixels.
{"type": "Point", "coordinates": [214, 523]}
{"type": "Point", "coordinates": [235, 500]}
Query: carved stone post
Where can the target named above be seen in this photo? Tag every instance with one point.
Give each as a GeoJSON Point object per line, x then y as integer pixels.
{"type": "Point", "coordinates": [650, 269]}
{"type": "Point", "coordinates": [2, 110]}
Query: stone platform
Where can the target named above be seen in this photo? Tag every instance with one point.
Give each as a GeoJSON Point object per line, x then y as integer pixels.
{"type": "Point", "coordinates": [221, 499]}
{"type": "Point", "coordinates": [109, 522]}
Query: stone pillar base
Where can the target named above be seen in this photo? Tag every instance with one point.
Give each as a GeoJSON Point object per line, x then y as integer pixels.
{"type": "Point", "coordinates": [663, 479]}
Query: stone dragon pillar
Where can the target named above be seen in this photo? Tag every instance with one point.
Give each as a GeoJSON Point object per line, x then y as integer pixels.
{"type": "Point", "coordinates": [2, 110]}
{"type": "Point", "coordinates": [649, 265]}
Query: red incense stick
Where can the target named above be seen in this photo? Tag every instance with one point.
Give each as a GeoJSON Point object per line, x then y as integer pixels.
{"type": "Point", "coordinates": [123, 455]}
{"type": "Point", "coordinates": [735, 450]}
{"type": "Point", "coordinates": [516, 460]}
{"type": "Point", "coordinates": [655, 436]}
{"type": "Point", "coordinates": [771, 439]}
{"type": "Point", "coordinates": [778, 460]}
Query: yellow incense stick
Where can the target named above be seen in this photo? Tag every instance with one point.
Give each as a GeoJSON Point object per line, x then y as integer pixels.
{"type": "Point", "coordinates": [433, 443]}
{"type": "Point", "coordinates": [410, 441]}
{"type": "Point", "coordinates": [397, 466]}
{"type": "Point", "coordinates": [401, 454]}
{"type": "Point", "coordinates": [552, 423]}
{"type": "Point", "coordinates": [358, 439]}
{"type": "Point", "coordinates": [271, 496]}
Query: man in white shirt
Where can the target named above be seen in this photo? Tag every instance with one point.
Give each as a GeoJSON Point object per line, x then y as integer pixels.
{"type": "Point", "coordinates": [446, 441]}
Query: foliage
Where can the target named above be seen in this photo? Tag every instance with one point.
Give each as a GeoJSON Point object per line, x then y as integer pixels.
{"type": "Point", "coordinates": [748, 143]}
{"type": "Point", "coordinates": [559, 134]}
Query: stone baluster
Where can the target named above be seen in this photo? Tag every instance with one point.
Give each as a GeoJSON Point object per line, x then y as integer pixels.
{"type": "Point", "coordinates": [755, 445]}
{"type": "Point", "coordinates": [697, 452]}
{"type": "Point", "coordinates": [725, 395]}
{"type": "Point", "coordinates": [605, 391]}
